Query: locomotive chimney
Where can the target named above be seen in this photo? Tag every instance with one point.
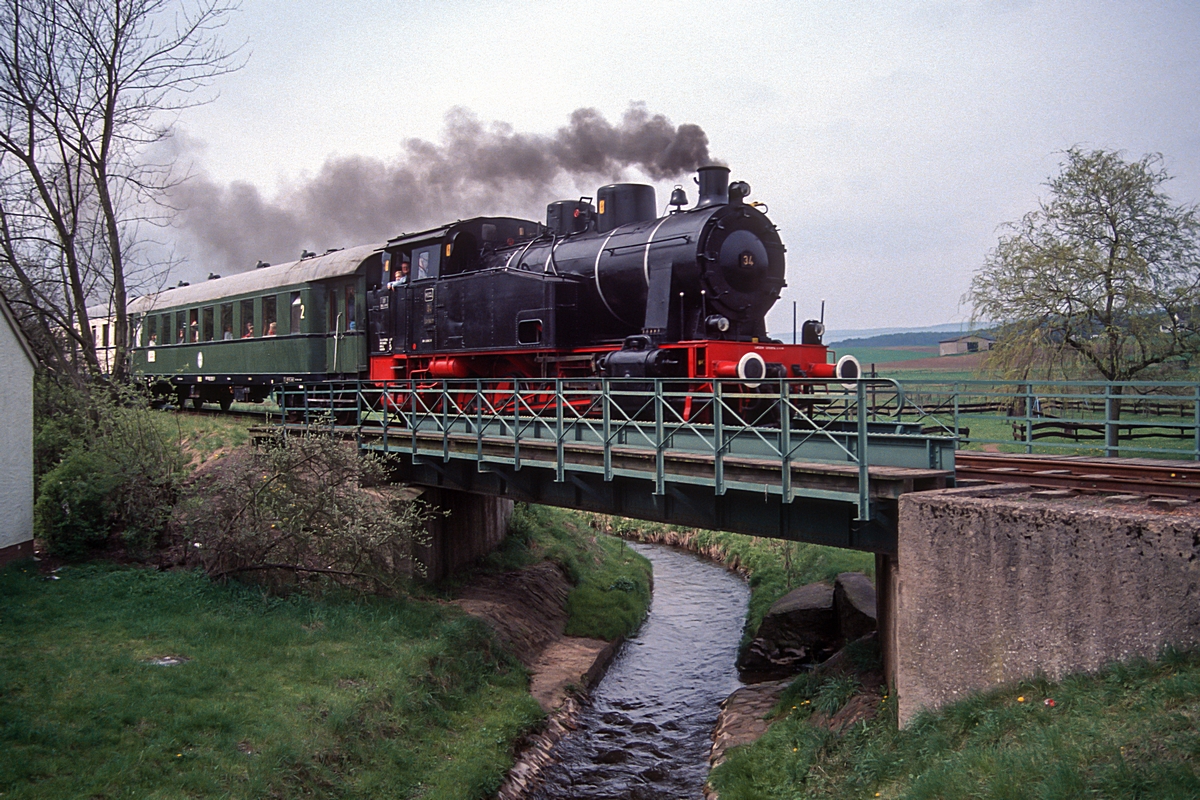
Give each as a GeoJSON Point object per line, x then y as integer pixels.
{"type": "Point", "coordinates": [714, 186]}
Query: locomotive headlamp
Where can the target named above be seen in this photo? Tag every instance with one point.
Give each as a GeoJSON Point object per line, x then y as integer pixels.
{"type": "Point", "coordinates": [717, 323]}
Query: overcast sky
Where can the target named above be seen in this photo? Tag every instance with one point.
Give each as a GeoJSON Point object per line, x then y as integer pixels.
{"type": "Point", "coordinates": [889, 141]}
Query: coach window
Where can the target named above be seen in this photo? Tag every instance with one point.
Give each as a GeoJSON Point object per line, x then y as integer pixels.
{"type": "Point", "coordinates": [194, 325]}
{"type": "Point", "coordinates": [180, 327]}
{"type": "Point", "coordinates": [351, 315]}
{"type": "Point", "coordinates": [164, 333]}
{"type": "Point", "coordinates": [331, 313]}
{"type": "Point", "coordinates": [297, 314]}
{"type": "Point", "coordinates": [227, 320]}
{"type": "Point", "coordinates": [268, 320]}
{"type": "Point", "coordinates": [151, 332]}
{"type": "Point", "coordinates": [247, 319]}
{"type": "Point", "coordinates": [209, 332]}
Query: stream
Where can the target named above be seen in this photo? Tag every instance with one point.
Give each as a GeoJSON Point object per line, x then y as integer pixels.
{"type": "Point", "coordinates": [645, 732]}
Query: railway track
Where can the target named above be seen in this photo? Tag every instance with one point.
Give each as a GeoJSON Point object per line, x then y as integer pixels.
{"type": "Point", "coordinates": [1151, 477]}
{"type": "Point", "coordinates": [212, 411]}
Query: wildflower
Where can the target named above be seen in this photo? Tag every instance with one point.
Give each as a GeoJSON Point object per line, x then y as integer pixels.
{"type": "Point", "coordinates": [1021, 699]}
{"type": "Point", "coordinates": [1050, 702]}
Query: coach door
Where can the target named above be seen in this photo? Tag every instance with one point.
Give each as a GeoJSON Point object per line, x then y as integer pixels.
{"type": "Point", "coordinates": [345, 341]}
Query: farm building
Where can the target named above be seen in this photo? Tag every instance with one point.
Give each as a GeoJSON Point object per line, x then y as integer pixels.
{"type": "Point", "coordinates": [16, 439]}
{"type": "Point", "coordinates": [970, 343]}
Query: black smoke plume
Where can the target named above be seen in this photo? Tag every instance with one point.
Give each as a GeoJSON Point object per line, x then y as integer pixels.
{"type": "Point", "coordinates": [475, 169]}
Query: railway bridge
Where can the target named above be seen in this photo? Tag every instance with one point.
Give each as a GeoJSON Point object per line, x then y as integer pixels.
{"type": "Point", "coordinates": [975, 586]}
{"type": "Point", "coordinates": [805, 461]}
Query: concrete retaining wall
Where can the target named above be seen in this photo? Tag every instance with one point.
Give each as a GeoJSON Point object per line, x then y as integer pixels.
{"type": "Point", "coordinates": [474, 527]}
{"type": "Point", "coordinates": [993, 586]}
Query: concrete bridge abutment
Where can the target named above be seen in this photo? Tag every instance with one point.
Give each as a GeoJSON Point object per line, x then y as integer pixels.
{"type": "Point", "coordinates": [993, 584]}
{"type": "Point", "coordinates": [464, 526]}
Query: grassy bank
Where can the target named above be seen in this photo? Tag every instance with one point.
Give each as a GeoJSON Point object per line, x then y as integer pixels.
{"type": "Point", "coordinates": [275, 698]}
{"type": "Point", "coordinates": [1130, 731]}
{"type": "Point", "coordinates": [612, 583]}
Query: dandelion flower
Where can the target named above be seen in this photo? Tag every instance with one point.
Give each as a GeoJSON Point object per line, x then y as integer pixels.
{"type": "Point", "coordinates": [1021, 699]}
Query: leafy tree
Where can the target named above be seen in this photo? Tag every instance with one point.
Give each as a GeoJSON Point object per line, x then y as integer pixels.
{"type": "Point", "coordinates": [1102, 280]}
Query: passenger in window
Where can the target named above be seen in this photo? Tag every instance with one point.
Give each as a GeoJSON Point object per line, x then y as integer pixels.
{"type": "Point", "coordinates": [271, 329]}
{"type": "Point", "coordinates": [401, 275]}
{"type": "Point", "coordinates": [152, 342]}
{"type": "Point", "coordinates": [179, 338]}
{"type": "Point", "coordinates": [228, 334]}
{"type": "Point", "coordinates": [249, 334]}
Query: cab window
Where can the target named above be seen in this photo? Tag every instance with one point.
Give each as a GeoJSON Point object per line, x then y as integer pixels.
{"type": "Point", "coordinates": [425, 262]}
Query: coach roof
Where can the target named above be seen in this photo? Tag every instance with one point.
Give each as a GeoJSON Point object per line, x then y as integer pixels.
{"type": "Point", "coordinates": [338, 264]}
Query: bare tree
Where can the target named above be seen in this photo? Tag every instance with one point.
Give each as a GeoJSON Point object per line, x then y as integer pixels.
{"type": "Point", "coordinates": [86, 86]}
{"type": "Point", "coordinates": [1102, 280]}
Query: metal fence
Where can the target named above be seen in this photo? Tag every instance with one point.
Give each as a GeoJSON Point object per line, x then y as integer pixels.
{"type": "Point", "coordinates": [1127, 419]}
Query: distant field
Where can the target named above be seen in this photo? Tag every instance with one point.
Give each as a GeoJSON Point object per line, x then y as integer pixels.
{"type": "Point", "coordinates": [888, 360]}
{"type": "Point", "coordinates": [886, 355]}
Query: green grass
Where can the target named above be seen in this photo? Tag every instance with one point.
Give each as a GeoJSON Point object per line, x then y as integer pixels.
{"type": "Point", "coordinates": [1129, 731]}
{"type": "Point", "coordinates": [612, 583]}
{"type": "Point", "coordinates": [203, 436]}
{"type": "Point", "coordinates": [279, 698]}
{"type": "Point", "coordinates": [881, 356]}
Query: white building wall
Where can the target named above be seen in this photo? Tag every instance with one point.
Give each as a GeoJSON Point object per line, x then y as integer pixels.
{"type": "Point", "coordinates": [16, 440]}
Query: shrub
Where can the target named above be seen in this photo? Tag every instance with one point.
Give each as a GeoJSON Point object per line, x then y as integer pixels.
{"type": "Point", "coordinates": [74, 510]}
{"type": "Point", "coordinates": [119, 476]}
{"type": "Point", "coordinates": [304, 510]}
{"type": "Point", "coordinates": [60, 421]}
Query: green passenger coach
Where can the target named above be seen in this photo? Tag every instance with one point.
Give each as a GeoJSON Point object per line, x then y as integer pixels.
{"type": "Point", "coordinates": [238, 337]}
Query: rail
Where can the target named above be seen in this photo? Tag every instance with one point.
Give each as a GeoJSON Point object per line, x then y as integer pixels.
{"type": "Point", "coordinates": [781, 423]}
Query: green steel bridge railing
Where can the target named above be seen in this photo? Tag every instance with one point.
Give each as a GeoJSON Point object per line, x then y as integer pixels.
{"type": "Point", "coordinates": [781, 422]}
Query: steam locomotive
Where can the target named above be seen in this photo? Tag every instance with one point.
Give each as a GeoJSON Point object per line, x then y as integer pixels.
{"type": "Point", "coordinates": [603, 289]}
